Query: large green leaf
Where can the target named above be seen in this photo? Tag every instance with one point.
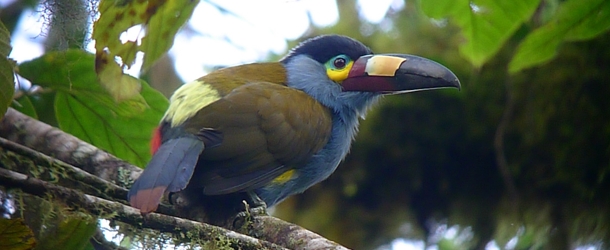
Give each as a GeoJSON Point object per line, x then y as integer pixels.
{"type": "Point", "coordinates": [125, 137]}
{"type": "Point", "coordinates": [15, 235]}
{"type": "Point", "coordinates": [575, 20]}
{"type": "Point", "coordinates": [43, 103]}
{"type": "Point", "coordinates": [7, 81]}
{"type": "Point", "coordinates": [592, 25]}
{"type": "Point", "coordinates": [486, 24]}
{"type": "Point", "coordinates": [71, 71]}
{"type": "Point", "coordinates": [84, 109]}
{"type": "Point", "coordinates": [24, 105]}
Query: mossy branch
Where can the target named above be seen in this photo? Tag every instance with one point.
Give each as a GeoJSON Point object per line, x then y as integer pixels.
{"type": "Point", "coordinates": [180, 228]}
{"type": "Point", "coordinates": [29, 162]}
{"type": "Point", "coordinates": [82, 176]}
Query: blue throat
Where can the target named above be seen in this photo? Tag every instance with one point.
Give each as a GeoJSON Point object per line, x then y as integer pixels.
{"type": "Point", "coordinates": [346, 107]}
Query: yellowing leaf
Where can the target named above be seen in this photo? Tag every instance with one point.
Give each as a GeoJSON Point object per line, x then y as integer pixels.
{"type": "Point", "coordinates": [7, 81]}
{"type": "Point", "coordinates": [115, 18]}
{"type": "Point", "coordinates": [15, 235]}
{"type": "Point", "coordinates": [121, 86]}
{"type": "Point", "coordinates": [159, 20]}
{"type": "Point", "coordinates": [162, 28]}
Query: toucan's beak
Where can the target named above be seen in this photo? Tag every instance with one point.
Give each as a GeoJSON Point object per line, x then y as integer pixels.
{"type": "Point", "coordinates": [396, 73]}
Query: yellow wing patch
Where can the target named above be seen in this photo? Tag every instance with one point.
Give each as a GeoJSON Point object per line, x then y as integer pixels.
{"type": "Point", "coordinates": [189, 99]}
{"type": "Point", "coordinates": [285, 177]}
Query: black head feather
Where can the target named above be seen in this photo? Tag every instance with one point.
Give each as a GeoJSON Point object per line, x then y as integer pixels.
{"type": "Point", "coordinates": [323, 48]}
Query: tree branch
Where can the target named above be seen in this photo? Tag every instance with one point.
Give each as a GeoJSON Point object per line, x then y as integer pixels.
{"type": "Point", "coordinates": [48, 140]}
{"type": "Point", "coordinates": [178, 227]}
{"type": "Point", "coordinates": [499, 145]}
{"type": "Point", "coordinates": [71, 155]}
{"type": "Point", "coordinates": [46, 168]}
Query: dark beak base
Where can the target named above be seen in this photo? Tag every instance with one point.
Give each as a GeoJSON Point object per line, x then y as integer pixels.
{"type": "Point", "coordinates": [398, 73]}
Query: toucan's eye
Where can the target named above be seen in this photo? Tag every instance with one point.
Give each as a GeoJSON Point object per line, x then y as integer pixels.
{"type": "Point", "coordinates": [339, 63]}
{"type": "Point", "coordinates": [338, 67]}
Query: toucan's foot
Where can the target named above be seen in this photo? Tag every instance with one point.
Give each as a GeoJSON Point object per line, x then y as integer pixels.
{"type": "Point", "coordinates": [258, 211]}
{"type": "Point", "coordinates": [252, 211]}
{"type": "Point", "coordinates": [255, 201]}
{"type": "Point", "coordinates": [253, 207]}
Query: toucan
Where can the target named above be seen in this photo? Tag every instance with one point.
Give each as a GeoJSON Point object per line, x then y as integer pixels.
{"type": "Point", "coordinates": [274, 129]}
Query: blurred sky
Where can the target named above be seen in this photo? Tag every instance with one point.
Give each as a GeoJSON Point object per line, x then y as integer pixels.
{"type": "Point", "coordinates": [246, 33]}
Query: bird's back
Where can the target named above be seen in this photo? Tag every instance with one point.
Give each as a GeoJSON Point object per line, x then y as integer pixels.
{"type": "Point", "coordinates": [267, 128]}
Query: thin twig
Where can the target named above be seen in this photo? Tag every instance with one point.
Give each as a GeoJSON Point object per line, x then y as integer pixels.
{"type": "Point", "coordinates": [499, 145]}
{"type": "Point", "coordinates": [99, 242]}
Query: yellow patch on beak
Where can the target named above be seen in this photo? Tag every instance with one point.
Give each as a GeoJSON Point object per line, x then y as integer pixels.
{"type": "Point", "coordinates": [338, 75]}
{"type": "Point", "coordinates": [381, 65]}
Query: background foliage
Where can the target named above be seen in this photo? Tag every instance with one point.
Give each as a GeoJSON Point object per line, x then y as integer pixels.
{"type": "Point", "coordinates": [519, 158]}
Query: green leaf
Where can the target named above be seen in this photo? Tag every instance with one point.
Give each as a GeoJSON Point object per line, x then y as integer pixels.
{"type": "Point", "coordinates": [163, 27]}
{"type": "Point", "coordinates": [44, 104]}
{"type": "Point", "coordinates": [486, 24]}
{"type": "Point", "coordinates": [125, 137]}
{"type": "Point", "coordinates": [7, 81]}
{"type": "Point", "coordinates": [442, 8]}
{"type": "Point", "coordinates": [15, 235]}
{"type": "Point", "coordinates": [71, 233]}
{"type": "Point", "coordinates": [73, 71]}
{"type": "Point", "coordinates": [575, 20]}
{"type": "Point", "coordinates": [84, 109]}
{"type": "Point", "coordinates": [24, 105]}
{"type": "Point", "coordinates": [592, 25]}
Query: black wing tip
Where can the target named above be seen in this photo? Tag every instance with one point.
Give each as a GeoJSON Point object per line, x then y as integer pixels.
{"type": "Point", "coordinates": [210, 137]}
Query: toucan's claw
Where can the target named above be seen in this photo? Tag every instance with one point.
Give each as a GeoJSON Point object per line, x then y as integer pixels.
{"type": "Point", "coordinates": [259, 209]}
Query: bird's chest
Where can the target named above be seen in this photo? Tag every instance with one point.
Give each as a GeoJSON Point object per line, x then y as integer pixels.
{"type": "Point", "coordinates": [319, 167]}
{"type": "Point", "coordinates": [325, 162]}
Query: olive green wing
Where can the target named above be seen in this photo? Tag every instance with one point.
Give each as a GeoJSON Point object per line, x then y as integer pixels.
{"type": "Point", "coordinates": [267, 129]}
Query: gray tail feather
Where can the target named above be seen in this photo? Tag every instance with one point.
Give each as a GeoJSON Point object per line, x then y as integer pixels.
{"type": "Point", "coordinates": [169, 170]}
